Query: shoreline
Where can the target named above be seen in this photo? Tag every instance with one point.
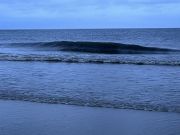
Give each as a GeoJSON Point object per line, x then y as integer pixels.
{"type": "Point", "coordinates": [20, 117]}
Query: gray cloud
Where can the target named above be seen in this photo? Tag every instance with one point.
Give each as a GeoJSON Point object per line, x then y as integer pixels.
{"type": "Point", "coordinates": [128, 13]}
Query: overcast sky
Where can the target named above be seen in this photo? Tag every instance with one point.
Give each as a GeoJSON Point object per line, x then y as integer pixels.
{"type": "Point", "coordinates": [89, 13]}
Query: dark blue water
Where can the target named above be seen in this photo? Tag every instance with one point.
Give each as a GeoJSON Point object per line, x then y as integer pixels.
{"type": "Point", "coordinates": [118, 68]}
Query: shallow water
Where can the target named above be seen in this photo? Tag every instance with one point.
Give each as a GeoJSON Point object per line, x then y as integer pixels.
{"type": "Point", "coordinates": [153, 88]}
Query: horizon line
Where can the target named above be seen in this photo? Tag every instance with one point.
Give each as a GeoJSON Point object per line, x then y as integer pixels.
{"type": "Point", "coordinates": [88, 28]}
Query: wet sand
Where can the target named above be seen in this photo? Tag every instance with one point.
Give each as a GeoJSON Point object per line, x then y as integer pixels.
{"type": "Point", "coordinates": [25, 118]}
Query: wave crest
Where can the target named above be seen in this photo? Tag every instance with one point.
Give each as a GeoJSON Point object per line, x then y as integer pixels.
{"type": "Point", "coordinates": [97, 47]}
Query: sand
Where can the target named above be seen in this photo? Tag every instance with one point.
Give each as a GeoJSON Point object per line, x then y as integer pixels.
{"type": "Point", "coordinates": [26, 118]}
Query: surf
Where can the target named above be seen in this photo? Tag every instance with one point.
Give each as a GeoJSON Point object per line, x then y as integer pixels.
{"type": "Point", "coordinates": [95, 47]}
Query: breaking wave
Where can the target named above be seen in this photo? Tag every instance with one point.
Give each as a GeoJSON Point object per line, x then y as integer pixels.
{"type": "Point", "coordinates": [89, 52]}
{"type": "Point", "coordinates": [96, 47]}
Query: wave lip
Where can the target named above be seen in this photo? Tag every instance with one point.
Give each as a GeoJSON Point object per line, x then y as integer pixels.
{"type": "Point", "coordinates": [97, 47]}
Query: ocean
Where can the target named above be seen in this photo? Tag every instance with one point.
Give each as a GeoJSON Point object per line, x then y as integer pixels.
{"type": "Point", "coordinates": [112, 68]}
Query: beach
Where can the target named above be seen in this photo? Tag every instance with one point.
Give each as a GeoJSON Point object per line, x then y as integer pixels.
{"type": "Point", "coordinates": [18, 117]}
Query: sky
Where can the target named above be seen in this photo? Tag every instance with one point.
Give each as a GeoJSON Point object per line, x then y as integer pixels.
{"type": "Point", "coordinates": [74, 14]}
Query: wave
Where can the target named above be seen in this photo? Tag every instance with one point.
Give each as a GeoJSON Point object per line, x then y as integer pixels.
{"type": "Point", "coordinates": [91, 52]}
{"type": "Point", "coordinates": [96, 47]}
{"type": "Point", "coordinates": [92, 102]}
{"type": "Point", "coordinates": [90, 59]}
